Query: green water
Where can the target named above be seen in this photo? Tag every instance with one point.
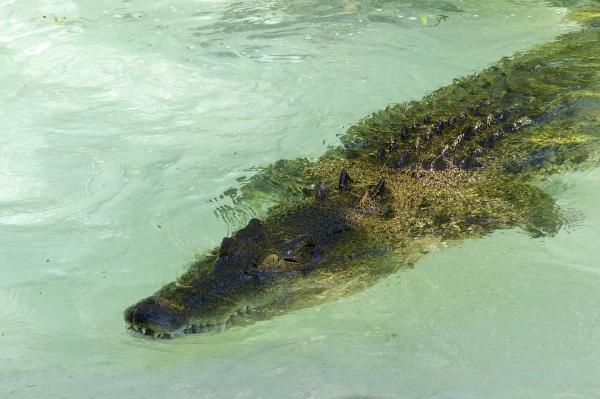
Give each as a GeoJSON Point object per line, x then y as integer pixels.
{"type": "Point", "coordinates": [122, 121]}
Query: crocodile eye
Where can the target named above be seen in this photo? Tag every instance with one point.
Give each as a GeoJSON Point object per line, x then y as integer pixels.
{"type": "Point", "coordinates": [270, 260]}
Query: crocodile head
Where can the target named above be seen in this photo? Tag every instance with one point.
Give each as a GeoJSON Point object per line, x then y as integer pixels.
{"type": "Point", "coordinates": [250, 272]}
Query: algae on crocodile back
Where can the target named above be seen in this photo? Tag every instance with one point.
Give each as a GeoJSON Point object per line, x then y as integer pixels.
{"type": "Point", "coordinates": [555, 85]}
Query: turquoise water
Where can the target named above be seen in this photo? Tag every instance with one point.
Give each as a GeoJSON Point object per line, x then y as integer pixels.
{"type": "Point", "coordinates": [122, 121]}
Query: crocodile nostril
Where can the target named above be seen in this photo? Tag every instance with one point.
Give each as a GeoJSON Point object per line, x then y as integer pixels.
{"type": "Point", "coordinates": [128, 314]}
{"type": "Point", "coordinates": [144, 314]}
{"type": "Point", "coordinates": [156, 313]}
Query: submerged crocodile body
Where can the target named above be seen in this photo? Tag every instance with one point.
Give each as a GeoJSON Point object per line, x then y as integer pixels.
{"type": "Point", "coordinates": [459, 163]}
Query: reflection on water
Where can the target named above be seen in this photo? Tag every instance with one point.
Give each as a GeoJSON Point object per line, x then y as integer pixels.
{"type": "Point", "coordinates": [123, 120]}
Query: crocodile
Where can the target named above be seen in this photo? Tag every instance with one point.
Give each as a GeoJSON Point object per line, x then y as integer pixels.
{"type": "Point", "coordinates": [460, 163]}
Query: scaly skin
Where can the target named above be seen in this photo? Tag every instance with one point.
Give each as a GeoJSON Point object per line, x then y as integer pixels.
{"type": "Point", "coordinates": [457, 164]}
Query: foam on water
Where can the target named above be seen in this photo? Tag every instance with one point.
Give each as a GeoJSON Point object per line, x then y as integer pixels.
{"type": "Point", "coordinates": [121, 121]}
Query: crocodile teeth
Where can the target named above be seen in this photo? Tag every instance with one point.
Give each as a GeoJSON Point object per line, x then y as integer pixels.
{"type": "Point", "coordinates": [144, 330]}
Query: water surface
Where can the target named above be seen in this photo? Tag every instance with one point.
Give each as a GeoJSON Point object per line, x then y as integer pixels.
{"type": "Point", "coordinates": [123, 121]}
